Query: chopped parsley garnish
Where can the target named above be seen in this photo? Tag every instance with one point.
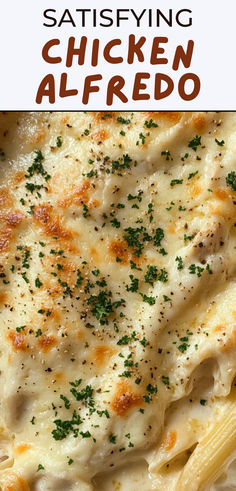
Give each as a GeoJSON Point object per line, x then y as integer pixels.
{"type": "Point", "coordinates": [176, 181]}
{"type": "Point", "coordinates": [103, 412]}
{"type": "Point", "coordinates": [179, 260]}
{"type": "Point", "coordinates": [126, 374]}
{"type": "Point", "coordinates": [66, 401]}
{"type": "Point", "coordinates": [192, 174]}
{"type": "Point", "coordinates": [25, 277]}
{"type": "Point", "coordinates": [184, 157]}
{"type": "Point", "coordinates": [32, 187]}
{"type": "Point", "coordinates": [183, 347]}
{"type": "Point", "coordinates": [40, 468]}
{"type": "Point", "coordinates": [85, 394]}
{"type": "Point", "coordinates": [65, 285]}
{"type": "Point", "coordinates": [166, 153]}
{"type": "Point", "coordinates": [152, 389]}
{"type": "Point", "coordinates": [143, 342]}
{"type": "Point", "coordinates": [25, 263]}
{"type": "Point", "coordinates": [142, 138]}
{"type": "Point", "coordinates": [163, 276]}
{"type": "Point", "coordinates": [165, 380]}
{"type": "Point", "coordinates": [115, 223]}
{"type": "Point", "coordinates": [130, 197]}
{"type": "Point", "coordinates": [38, 283]}
{"type": "Point", "coordinates": [112, 438]}
{"type": "Point", "coordinates": [159, 235]}
{"type": "Point", "coordinates": [203, 402]}
{"type": "Point", "coordinates": [208, 269]}
{"type": "Point", "coordinates": [166, 299]}
{"type": "Point", "coordinates": [124, 340]}
{"type": "Point", "coordinates": [193, 269]}
{"type": "Point", "coordinates": [221, 144]}
{"type": "Point", "coordinates": [21, 328]}
{"type": "Point", "coordinates": [38, 333]}
{"type": "Point", "coordinates": [188, 237]}
{"type": "Point", "coordinates": [64, 428]}
{"type": "Point", "coordinates": [59, 141]}
{"type": "Point", "coordinates": [122, 120]}
{"type": "Point", "coordinates": [151, 274]}
{"type": "Point", "coordinates": [150, 124]}
{"type": "Point", "coordinates": [37, 166]}
{"type": "Point", "coordinates": [85, 211]}
{"type": "Point", "coordinates": [107, 115]}
{"type": "Point", "coordinates": [195, 142]}
{"type": "Point", "coordinates": [134, 265]}
{"type": "Point", "coordinates": [231, 180]}
{"type": "Point", "coordinates": [150, 300]}
{"type": "Point", "coordinates": [85, 434]}
{"type": "Point", "coordinates": [118, 164]}
{"type": "Point", "coordinates": [133, 238]}
{"type": "Point", "coordinates": [102, 305]}
{"type": "Point", "coordinates": [134, 284]}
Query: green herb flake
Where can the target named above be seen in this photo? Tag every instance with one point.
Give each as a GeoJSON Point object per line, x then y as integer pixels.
{"type": "Point", "coordinates": [179, 260]}
{"type": "Point", "coordinates": [59, 141]}
{"type": "Point", "coordinates": [149, 300]}
{"type": "Point", "coordinates": [165, 380]}
{"type": "Point", "coordinates": [194, 143]}
{"type": "Point", "coordinates": [122, 120]}
{"type": "Point", "coordinates": [112, 438]}
{"type": "Point", "coordinates": [220, 143]}
{"type": "Point", "coordinates": [192, 174]}
{"type": "Point", "coordinates": [174, 182]}
{"type": "Point", "coordinates": [231, 180]}
{"type": "Point", "coordinates": [38, 283]}
{"type": "Point", "coordinates": [134, 284]}
{"type": "Point", "coordinates": [150, 124]}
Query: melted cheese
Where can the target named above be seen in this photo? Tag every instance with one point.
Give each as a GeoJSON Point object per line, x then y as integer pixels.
{"type": "Point", "coordinates": [117, 295]}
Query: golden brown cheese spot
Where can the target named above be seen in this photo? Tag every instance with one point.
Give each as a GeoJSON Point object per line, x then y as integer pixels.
{"type": "Point", "coordinates": [51, 224]}
{"type": "Point", "coordinates": [194, 189]}
{"type": "Point", "coordinates": [102, 354]}
{"type": "Point", "coordinates": [199, 122]}
{"type": "Point", "coordinates": [15, 483]}
{"type": "Point", "coordinates": [78, 195]}
{"type": "Point", "coordinates": [47, 342]}
{"type": "Point", "coordinates": [22, 448]}
{"type": "Point", "coordinates": [100, 136]}
{"type": "Point", "coordinates": [125, 399]}
{"type": "Point", "coordinates": [5, 236]}
{"type": "Point", "coordinates": [65, 119]}
{"type": "Point", "coordinates": [219, 328]}
{"type": "Point", "coordinates": [221, 194]}
{"type": "Point", "coordinates": [101, 116]}
{"type": "Point", "coordinates": [172, 117]}
{"type": "Point", "coordinates": [172, 229]}
{"type": "Point", "coordinates": [170, 440]}
{"type": "Point", "coordinates": [5, 198]}
{"type": "Point", "coordinates": [17, 340]}
{"type": "Point", "coordinates": [3, 297]}
{"type": "Point", "coordinates": [14, 218]}
{"type": "Point", "coordinates": [38, 137]}
{"type": "Point", "coordinates": [95, 255]}
{"type": "Point", "coordinates": [118, 248]}
{"type": "Point", "coordinates": [18, 177]}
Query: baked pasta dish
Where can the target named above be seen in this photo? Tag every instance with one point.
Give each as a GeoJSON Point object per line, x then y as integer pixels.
{"type": "Point", "coordinates": [117, 301]}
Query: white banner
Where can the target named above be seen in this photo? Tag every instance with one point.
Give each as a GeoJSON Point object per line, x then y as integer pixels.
{"type": "Point", "coordinates": [126, 55]}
